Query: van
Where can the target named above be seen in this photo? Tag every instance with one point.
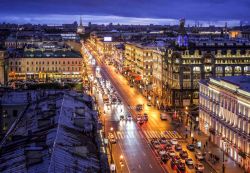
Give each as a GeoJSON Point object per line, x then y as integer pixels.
{"type": "Point", "coordinates": [163, 116]}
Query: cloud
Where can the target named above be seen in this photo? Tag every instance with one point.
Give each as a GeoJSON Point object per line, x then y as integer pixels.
{"type": "Point", "coordinates": [207, 10]}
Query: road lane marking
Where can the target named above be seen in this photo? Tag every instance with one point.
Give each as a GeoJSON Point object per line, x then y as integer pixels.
{"type": "Point", "coordinates": [150, 166]}
{"type": "Point", "coordinates": [139, 166]}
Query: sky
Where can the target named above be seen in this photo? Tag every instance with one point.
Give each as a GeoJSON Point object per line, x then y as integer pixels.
{"type": "Point", "coordinates": [207, 12]}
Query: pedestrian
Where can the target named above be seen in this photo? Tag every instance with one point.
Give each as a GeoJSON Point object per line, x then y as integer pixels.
{"type": "Point", "coordinates": [193, 140]}
{"type": "Point", "coordinates": [204, 146]}
{"type": "Point", "coordinates": [206, 143]}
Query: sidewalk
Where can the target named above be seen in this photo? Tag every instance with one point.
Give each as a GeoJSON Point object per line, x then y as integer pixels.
{"type": "Point", "coordinates": [230, 165]}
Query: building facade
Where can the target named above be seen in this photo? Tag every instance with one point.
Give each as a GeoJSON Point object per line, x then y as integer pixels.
{"type": "Point", "coordinates": [46, 62]}
{"type": "Point", "coordinates": [224, 115]}
{"type": "Point", "coordinates": [184, 67]}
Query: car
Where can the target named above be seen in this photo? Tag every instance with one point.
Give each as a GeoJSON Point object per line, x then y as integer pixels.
{"type": "Point", "coordinates": [178, 147]}
{"type": "Point", "coordinates": [141, 122]}
{"type": "Point", "coordinates": [129, 117]}
{"type": "Point", "coordinates": [131, 85]}
{"type": "Point", "coordinates": [181, 168]}
{"type": "Point", "coordinates": [163, 116]}
{"type": "Point", "coordinates": [145, 117]}
{"type": "Point", "coordinates": [189, 161]}
{"type": "Point", "coordinates": [168, 146]}
{"type": "Point", "coordinates": [184, 154]}
{"type": "Point", "coordinates": [156, 145]}
{"type": "Point", "coordinates": [162, 152]}
{"type": "Point", "coordinates": [139, 117]}
{"type": "Point", "coordinates": [163, 140]}
{"type": "Point", "coordinates": [199, 155]}
{"type": "Point", "coordinates": [199, 167]}
{"type": "Point", "coordinates": [164, 158]}
{"type": "Point", "coordinates": [174, 163]}
{"type": "Point", "coordinates": [112, 138]}
{"type": "Point", "coordinates": [139, 107]}
{"type": "Point", "coordinates": [176, 157]}
{"type": "Point", "coordinates": [174, 141]}
{"type": "Point", "coordinates": [148, 103]}
{"type": "Point", "coordinates": [171, 153]}
{"type": "Point", "coordinates": [122, 117]}
{"type": "Point", "coordinates": [191, 147]}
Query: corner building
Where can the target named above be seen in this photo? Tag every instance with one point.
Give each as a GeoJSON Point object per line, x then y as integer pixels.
{"type": "Point", "coordinates": [224, 115]}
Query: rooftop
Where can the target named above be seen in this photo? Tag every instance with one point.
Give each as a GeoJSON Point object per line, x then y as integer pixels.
{"type": "Point", "coordinates": [54, 134]}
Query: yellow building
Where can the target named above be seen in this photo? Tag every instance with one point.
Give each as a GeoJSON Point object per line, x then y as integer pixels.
{"type": "Point", "coordinates": [45, 63]}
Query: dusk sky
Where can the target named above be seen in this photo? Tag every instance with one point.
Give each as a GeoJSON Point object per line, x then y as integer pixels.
{"type": "Point", "coordinates": [125, 11]}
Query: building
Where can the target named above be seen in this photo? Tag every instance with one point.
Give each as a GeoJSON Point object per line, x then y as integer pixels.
{"type": "Point", "coordinates": [46, 61]}
{"type": "Point", "coordinates": [184, 67]}
{"type": "Point", "coordinates": [56, 133]}
{"type": "Point", "coordinates": [2, 67]}
{"type": "Point", "coordinates": [224, 115]}
{"type": "Point", "coordinates": [144, 66]}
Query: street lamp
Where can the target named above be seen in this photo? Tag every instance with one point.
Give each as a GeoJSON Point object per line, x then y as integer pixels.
{"type": "Point", "coordinates": [111, 155]}
{"type": "Point", "coordinates": [121, 162]}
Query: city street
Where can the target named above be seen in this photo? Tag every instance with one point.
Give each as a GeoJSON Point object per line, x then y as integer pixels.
{"type": "Point", "coordinates": [134, 139]}
{"type": "Point", "coordinates": [130, 143]}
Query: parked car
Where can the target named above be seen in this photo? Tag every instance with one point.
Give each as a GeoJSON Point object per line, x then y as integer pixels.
{"type": "Point", "coordinates": [178, 147]}
{"type": "Point", "coordinates": [191, 147]}
{"type": "Point", "coordinates": [199, 167]}
{"type": "Point", "coordinates": [183, 154]}
{"type": "Point", "coordinates": [199, 155]}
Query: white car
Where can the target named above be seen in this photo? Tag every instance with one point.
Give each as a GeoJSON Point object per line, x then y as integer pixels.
{"type": "Point", "coordinates": [189, 161]}
{"type": "Point", "coordinates": [174, 141]}
{"type": "Point", "coordinates": [162, 152]}
{"type": "Point", "coordinates": [198, 155]}
{"type": "Point", "coordinates": [171, 153]}
{"type": "Point", "coordinates": [199, 167]}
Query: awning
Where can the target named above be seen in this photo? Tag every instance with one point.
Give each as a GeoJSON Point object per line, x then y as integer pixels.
{"type": "Point", "coordinates": [138, 78]}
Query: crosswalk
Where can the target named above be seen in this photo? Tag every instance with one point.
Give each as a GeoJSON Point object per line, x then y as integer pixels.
{"type": "Point", "coordinates": [158, 134]}
{"type": "Point", "coordinates": [149, 134]}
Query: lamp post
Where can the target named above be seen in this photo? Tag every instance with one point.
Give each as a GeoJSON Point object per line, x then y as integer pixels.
{"type": "Point", "coordinates": [111, 130]}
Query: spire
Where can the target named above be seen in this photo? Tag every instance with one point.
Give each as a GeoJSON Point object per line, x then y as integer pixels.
{"type": "Point", "coordinates": [80, 20]}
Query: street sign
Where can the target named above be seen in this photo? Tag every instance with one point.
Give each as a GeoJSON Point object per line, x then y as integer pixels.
{"type": "Point", "coordinates": [112, 167]}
